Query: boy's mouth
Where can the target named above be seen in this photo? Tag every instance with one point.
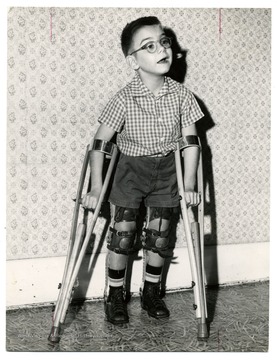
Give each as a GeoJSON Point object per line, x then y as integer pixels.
{"type": "Point", "coordinates": [163, 60]}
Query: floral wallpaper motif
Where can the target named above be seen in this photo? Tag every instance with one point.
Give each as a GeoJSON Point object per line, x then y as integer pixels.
{"type": "Point", "coordinates": [63, 66]}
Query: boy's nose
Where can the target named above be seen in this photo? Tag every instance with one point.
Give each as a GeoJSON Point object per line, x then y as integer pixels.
{"type": "Point", "coordinates": [160, 47]}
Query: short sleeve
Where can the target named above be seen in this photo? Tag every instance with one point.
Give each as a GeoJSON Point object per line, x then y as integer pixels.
{"type": "Point", "coordinates": [113, 114]}
{"type": "Point", "coordinates": [190, 110]}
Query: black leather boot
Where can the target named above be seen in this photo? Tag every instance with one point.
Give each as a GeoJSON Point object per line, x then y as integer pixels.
{"type": "Point", "coordinates": [116, 307]}
{"type": "Point", "coordinates": [151, 301]}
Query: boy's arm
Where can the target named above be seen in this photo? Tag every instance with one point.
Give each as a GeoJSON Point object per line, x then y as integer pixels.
{"type": "Point", "coordinates": [96, 166]}
{"type": "Point", "coordinates": [191, 160]}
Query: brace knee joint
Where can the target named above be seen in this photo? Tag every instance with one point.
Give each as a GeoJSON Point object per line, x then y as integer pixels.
{"type": "Point", "coordinates": [122, 241]}
{"type": "Point", "coordinates": [155, 240]}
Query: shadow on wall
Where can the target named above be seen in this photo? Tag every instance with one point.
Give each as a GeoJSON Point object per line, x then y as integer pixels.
{"type": "Point", "coordinates": [178, 68]}
{"type": "Point", "coordinates": [178, 73]}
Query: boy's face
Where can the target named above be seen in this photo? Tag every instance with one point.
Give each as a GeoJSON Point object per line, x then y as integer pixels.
{"type": "Point", "coordinates": [157, 63]}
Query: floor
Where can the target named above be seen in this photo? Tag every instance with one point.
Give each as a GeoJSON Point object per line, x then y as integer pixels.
{"type": "Point", "coordinates": [238, 322]}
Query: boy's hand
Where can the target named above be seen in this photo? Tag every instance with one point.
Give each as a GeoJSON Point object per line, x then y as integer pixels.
{"type": "Point", "coordinates": [192, 198]}
{"type": "Point", "coordinates": [90, 200]}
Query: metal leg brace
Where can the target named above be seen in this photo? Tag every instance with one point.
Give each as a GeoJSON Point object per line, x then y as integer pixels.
{"type": "Point", "coordinates": [79, 238]}
{"type": "Point", "coordinates": [195, 239]}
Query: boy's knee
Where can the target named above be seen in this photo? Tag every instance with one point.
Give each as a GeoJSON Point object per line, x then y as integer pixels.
{"type": "Point", "coordinates": [157, 239]}
{"type": "Point", "coordinates": [123, 230]}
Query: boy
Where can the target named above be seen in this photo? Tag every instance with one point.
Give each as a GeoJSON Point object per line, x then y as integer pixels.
{"type": "Point", "coordinates": [149, 115]}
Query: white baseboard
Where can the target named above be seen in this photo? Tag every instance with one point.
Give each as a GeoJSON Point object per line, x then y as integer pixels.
{"type": "Point", "coordinates": [35, 281]}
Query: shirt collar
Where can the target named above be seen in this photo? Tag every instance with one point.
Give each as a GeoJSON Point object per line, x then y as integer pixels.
{"type": "Point", "coordinates": [139, 89]}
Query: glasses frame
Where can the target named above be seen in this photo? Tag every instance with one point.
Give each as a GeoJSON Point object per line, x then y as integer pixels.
{"type": "Point", "coordinates": [144, 47]}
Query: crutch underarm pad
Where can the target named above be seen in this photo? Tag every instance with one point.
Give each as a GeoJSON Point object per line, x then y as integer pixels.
{"type": "Point", "coordinates": [106, 147]}
{"type": "Point", "coordinates": [188, 141]}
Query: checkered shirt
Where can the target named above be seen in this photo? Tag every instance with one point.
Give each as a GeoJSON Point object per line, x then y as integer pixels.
{"type": "Point", "coordinates": [149, 125]}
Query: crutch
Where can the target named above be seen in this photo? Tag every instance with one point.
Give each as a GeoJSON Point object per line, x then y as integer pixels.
{"type": "Point", "coordinates": [194, 235]}
{"type": "Point", "coordinates": [79, 237]}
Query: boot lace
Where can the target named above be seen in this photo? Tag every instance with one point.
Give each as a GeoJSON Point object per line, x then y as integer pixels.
{"type": "Point", "coordinates": [154, 296]}
{"type": "Point", "coordinates": [117, 301]}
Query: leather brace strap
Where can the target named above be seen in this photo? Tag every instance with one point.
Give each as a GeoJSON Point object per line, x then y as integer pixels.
{"type": "Point", "coordinates": [156, 241]}
{"type": "Point", "coordinates": [121, 242]}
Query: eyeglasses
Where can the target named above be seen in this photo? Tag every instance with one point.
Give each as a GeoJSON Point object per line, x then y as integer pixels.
{"type": "Point", "coordinates": [151, 46]}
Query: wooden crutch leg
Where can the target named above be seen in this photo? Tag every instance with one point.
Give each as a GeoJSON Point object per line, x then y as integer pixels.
{"type": "Point", "coordinates": [197, 231]}
{"type": "Point", "coordinates": [195, 249]}
{"type": "Point", "coordinates": [72, 247]}
{"type": "Point", "coordinates": [78, 245]}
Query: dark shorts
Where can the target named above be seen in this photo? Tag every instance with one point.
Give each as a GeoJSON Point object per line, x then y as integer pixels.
{"type": "Point", "coordinates": [151, 180]}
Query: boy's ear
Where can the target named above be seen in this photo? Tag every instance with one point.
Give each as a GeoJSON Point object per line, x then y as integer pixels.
{"type": "Point", "coordinates": [131, 61]}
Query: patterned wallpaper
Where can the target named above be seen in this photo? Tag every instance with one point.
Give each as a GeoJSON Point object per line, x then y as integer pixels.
{"type": "Point", "coordinates": [65, 63]}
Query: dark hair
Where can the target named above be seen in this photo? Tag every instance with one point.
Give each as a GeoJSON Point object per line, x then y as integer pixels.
{"type": "Point", "coordinates": [130, 29]}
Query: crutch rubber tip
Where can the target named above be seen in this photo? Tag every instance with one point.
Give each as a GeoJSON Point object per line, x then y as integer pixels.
{"type": "Point", "coordinates": [54, 336]}
{"type": "Point", "coordinates": [202, 331]}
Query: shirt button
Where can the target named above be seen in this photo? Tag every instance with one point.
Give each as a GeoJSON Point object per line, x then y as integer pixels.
{"type": "Point", "coordinates": [162, 138]}
{"type": "Point", "coordinates": [160, 119]}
